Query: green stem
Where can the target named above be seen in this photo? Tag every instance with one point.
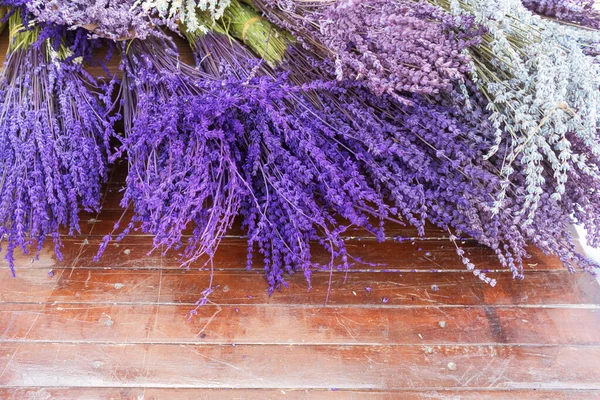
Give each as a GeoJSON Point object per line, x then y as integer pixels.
{"type": "Point", "coordinates": [19, 36]}
{"type": "Point", "coordinates": [243, 22]}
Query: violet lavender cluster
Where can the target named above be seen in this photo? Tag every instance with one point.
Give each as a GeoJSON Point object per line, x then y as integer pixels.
{"type": "Point", "coordinates": [227, 145]}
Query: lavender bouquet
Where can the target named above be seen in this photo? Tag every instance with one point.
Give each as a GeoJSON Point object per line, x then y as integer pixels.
{"type": "Point", "coordinates": [302, 119]}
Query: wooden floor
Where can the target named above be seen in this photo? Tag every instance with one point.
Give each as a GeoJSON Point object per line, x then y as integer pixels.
{"type": "Point", "coordinates": [416, 327]}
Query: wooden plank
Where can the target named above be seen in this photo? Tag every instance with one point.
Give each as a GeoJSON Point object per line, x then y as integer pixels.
{"type": "Point", "coordinates": [289, 394]}
{"type": "Point", "coordinates": [302, 367]}
{"type": "Point", "coordinates": [361, 289]}
{"type": "Point", "coordinates": [294, 325]}
{"type": "Point", "coordinates": [418, 255]}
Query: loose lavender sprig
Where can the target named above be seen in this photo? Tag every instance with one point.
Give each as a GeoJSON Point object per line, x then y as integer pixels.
{"type": "Point", "coordinates": [54, 132]}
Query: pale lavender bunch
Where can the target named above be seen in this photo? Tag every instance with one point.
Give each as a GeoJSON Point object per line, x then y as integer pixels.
{"type": "Point", "coordinates": [581, 12]}
{"type": "Point", "coordinates": [431, 167]}
{"type": "Point", "coordinates": [396, 47]}
{"type": "Point", "coordinates": [507, 230]}
{"type": "Point", "coordinates": [54, 133]}
{"type": "Point", "coordinates": [114, 19]}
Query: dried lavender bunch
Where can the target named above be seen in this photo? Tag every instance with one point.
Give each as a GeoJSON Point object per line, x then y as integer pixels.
{"type": "Point", "coordinates": [396, 47]}
{"type": "Point", "coordinates": [580, 12]}
{"type": "Point", "coordinates": [429, 162]}
{"type": "Point", "coordinates": [54, 132]}
{"type": "Point", "coordinates": [540, 87]}
{"type": "Point", "coordinates": [226, 145]}
{"type": "Point", "coordinates": [112, 19]}
{"type": "Point", "coordinates": [394, 157]}
{"type": "Point", "coordinates": [181, 168]}
{"type": "Point", "coordinates": [245, 24]}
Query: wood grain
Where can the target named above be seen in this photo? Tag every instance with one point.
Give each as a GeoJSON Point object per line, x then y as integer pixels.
{"type": "Point", "coordinates": [418, 255]}
{"type": "Point", "coordinates": [305, 367]}
{"type": "Point", "coordinates": [285, 325]}
{"type": "Point", "coordinates": [69, 393]}
{"type": "Point", "coordinates": [357, 289]}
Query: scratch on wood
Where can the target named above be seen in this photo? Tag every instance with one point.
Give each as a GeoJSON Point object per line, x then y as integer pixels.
{"type": "Point", "coordinates": [210, 358]}
{"type": "Point", "coordinates": [211, 318]}
{"type": "Point", "coordinates": [346, 328]}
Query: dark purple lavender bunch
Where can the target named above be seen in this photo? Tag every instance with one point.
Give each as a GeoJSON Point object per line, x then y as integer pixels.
{"type": "Point", "coordinates": [179, 145]}
{"type": "Point", "coordinates": [54, 131]}
{"type": "Point", "coordinates": [423, 159]}
{"type": "Point", "coordinates": [396, 47]}
{"type": "Point", "coordinates": [308, 184]}
{"type": "Point", "coordinates": [581, 12]}
{"type": "Point", "coordinates": [204, 146]}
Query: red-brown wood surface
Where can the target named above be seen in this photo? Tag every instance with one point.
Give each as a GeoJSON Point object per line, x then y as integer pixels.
{"type": "Point", "coordinates": [408, 323]}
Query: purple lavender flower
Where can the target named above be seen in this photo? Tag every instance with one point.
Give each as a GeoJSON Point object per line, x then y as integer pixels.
{"type": "Point", "coordinates": [180, 148]}
{"type": "Point", "coordinates": [204, 146]}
